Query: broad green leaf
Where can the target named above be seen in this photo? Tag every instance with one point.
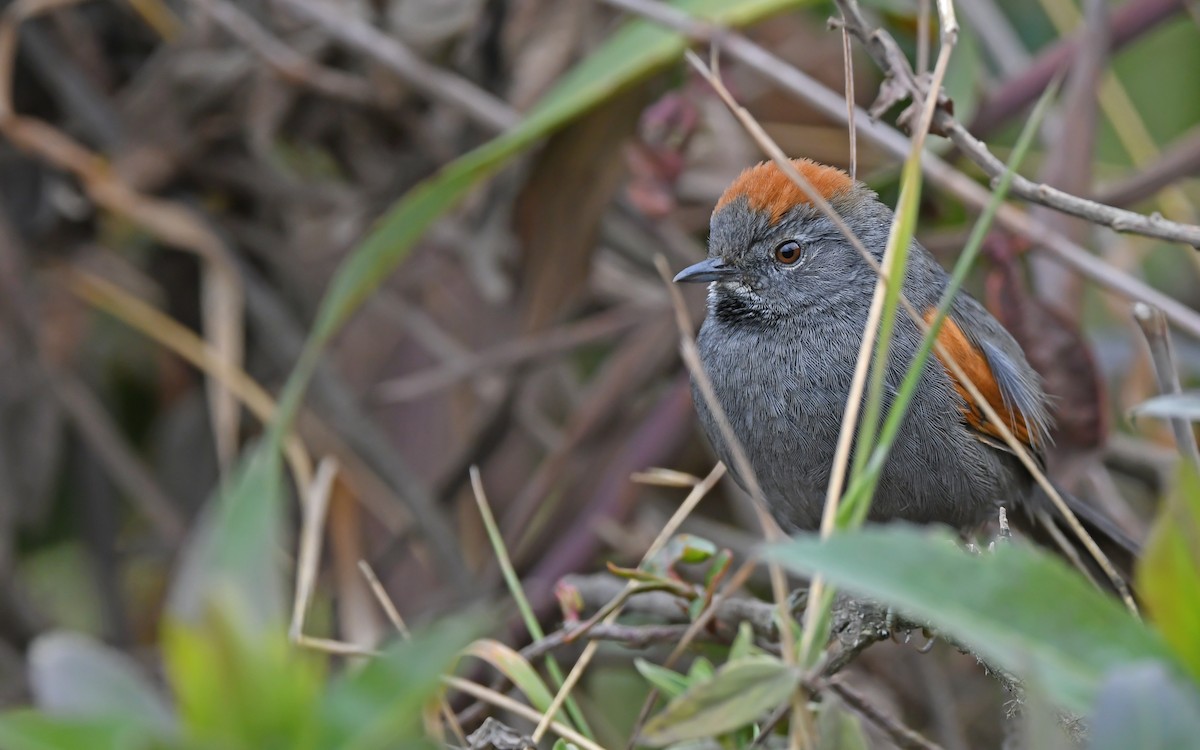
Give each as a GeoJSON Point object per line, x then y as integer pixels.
{"type": "Point", "coordinates": [1017, 607]}
{"type": "Point", "coordinates": [379, 706]}
{"type": "Point", "coordinates": [669, 682]}
{"type": "Point", "coordinates": [31, 730]}
{"type": "Point", "coordinates": [1168, 574]}
{"type": "Point", "coordinates": [1144, 706]}
{"type": "Point", "coordinates": [233, 560]}
{"type": "Point", "coordinates": [236, 690]}
{"type": "Point", "coordinates": [74, 675]}
{"type": "Point", "coordinates": [739, 692]}
{"type": "Point", "coordinates": [1185, 405]}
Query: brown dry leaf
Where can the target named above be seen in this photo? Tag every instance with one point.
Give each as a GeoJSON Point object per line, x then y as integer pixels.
{"type": "Point", "coordinates": [558, 212]}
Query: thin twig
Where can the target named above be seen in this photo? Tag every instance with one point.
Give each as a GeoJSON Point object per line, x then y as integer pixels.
{"type": "Point", "coordinates": [1158, 339]}
{"type": "Point", "coordinates": [887, 55]}
{"type": "Point", "coordinates": [896, 731]}
{"type": "Point", "coordinates": [938, 171]}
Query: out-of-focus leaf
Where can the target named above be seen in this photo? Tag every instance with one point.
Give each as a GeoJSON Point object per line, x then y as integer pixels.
{"type": "Point", "coordinates": [515, 667]}
{"type": "Point", "coordinates": [232, 562]}
{"type": "Point", "coordinates": [637, 50]}
{"type": "Point", "coordinates": [1168, 573]}
{"type": "Point", "coordinates": [1019, 608]}
{"type": "Point", "coordinates": [737, 694]}
{"type": "Point", "coordinates": [838, 729]}
{"type": "Point", "coordinates": [236, 690]}
{"type": "Point", "coordinates": [1185, 405]}
{"type": "Point", "coordinates": [669, 682]}
{"type": "Point", "coordinates": [31, 730]}
{"type": "Point", "coordinates": [74, 675]}
{"type": "Point", "coordinates": [1144, 706]}
{"type": "Point", "coordinates": [1042, 723]}
{"type": "Point", "coordinates": [379, 706]}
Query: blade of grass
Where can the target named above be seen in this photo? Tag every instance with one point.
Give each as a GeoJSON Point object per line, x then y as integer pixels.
{"type": "Point", "coordinates": [518, 594]}
{"type": "Point", "coordinates": [885, 304]}
{"type": "Point", "coordinates": [865, 481]}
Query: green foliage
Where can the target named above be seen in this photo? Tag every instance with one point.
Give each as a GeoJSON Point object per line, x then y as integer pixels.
{"type": "Point", "coordinates": [1018, 607]}
{"type": "Point", "coordinates": [735, 695]}
{"type": "Point", "coordinates": [232, 691]}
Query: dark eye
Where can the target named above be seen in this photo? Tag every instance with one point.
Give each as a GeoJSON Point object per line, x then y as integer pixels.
{"type": "Point", "coordinates": [788, 252]}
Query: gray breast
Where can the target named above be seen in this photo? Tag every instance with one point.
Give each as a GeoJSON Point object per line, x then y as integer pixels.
{"type": "Point", "coordinates": [784, 393]}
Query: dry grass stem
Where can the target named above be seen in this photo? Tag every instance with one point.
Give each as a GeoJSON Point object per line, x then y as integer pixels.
{"type": "Point", "coordinates": [312, 531]}
{"type": "Point", "coordinates": [500, 700]}
{"type": "Point", "coordinates": [664, 535]}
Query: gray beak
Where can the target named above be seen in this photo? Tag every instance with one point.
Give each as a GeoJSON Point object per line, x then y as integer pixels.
{"type": "Point", "coordinates": [709, 269]}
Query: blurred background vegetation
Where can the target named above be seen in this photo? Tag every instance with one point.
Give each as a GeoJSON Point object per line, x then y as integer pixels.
{"type": "Point", "coordinates": [181, 180]}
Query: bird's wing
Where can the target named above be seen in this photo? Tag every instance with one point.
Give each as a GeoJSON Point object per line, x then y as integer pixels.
{"type": "Point", "coordinates": [1010, 389]}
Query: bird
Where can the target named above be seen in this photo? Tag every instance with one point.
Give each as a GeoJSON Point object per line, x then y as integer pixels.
{"type": "Point", "coordinates": [788, 299]}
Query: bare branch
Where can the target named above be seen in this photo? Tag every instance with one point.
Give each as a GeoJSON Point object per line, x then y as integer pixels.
{"type": "Point", "coordinates": [937, 170]}
{"type": "Point", "coordinates": [888, 56]}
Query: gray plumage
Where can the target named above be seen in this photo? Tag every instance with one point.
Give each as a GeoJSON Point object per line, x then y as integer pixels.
{"type": "Point", "coordinates": [780, 343]}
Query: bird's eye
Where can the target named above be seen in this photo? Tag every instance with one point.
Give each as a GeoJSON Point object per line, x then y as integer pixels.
{"type": "Point", "coordinates": [788, 252]}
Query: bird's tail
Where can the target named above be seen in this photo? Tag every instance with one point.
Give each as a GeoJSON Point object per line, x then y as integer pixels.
{"type": "Point", "coordinates": [1047, 525]}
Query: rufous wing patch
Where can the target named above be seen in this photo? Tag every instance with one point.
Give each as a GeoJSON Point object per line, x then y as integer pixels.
{"type": "Point", "coordinates": [975, 364]}
{"type": "Point", "coordinates": [770, 191]}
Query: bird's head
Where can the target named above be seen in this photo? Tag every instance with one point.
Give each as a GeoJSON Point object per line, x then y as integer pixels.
{"type": "Point", "coordinates": [773, 254]}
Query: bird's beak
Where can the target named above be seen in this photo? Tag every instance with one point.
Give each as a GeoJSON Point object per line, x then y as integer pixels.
{"type": "Point", "coordinates": [709, 269]}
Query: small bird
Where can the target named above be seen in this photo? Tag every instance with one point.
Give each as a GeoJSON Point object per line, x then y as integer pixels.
{"type": "Point", "coordinates": [787, 302]}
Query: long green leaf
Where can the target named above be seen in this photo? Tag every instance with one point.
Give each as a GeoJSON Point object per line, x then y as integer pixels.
{"type": "Point", "coordinates": [636, 51]}
{"type": "Point", "coordinates": [1018, 607]}
{"type": "Point", "coordinates": [864, 482]}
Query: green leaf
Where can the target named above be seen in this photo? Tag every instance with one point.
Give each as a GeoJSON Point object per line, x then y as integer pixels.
{"type": "Point", "coordinates": [74, 675]}
{"type": "Point", "coordinates": [669, 682]}
{"type": "Point", "coordinates": [636, 51]}
{"type": "Point", "coordinates": [1144, 706]}
{"type": "Point", "coordinates": [237, 690]}
{"type": "Point", "coordinates": [1019, 608]}
{"type": "Point", "coordinates": [838, 729]}
{"type": "Point", "coordinates": [30, 730]}
{"type": "Point", "coordinates": [1184, 405]}
{"type": "Point", "coordinates": [737, 694]}
{"type": "Point", "coordinates": [379, 706]}
{"type": "Point", "coordinates": [233, 560]}
{"type": "Point", "coordinates": [1168, 573]}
